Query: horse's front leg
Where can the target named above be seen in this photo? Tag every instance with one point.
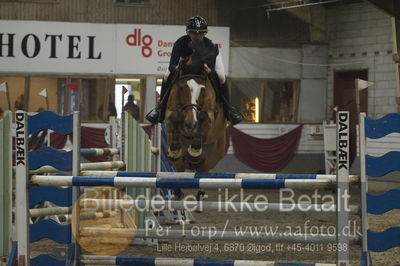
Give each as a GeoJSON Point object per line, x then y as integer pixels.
{"type": "Point", "coordinates": [195, 148]}
{"type": "Point", "coordinates": [196, 155]}
{"type": "Point", "coordinates": [174, 150]}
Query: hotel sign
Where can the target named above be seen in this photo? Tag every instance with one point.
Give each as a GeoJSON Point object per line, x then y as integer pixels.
{"type": "Point", "coordinates": [89, 48]}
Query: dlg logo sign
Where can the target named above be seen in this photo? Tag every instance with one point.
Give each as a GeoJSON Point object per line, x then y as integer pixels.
{"type": "Point", "coordinates": [136, 39]}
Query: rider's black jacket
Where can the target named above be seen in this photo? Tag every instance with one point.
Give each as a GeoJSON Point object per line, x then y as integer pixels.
{"type": "Point", "coordinates": [181, 49]}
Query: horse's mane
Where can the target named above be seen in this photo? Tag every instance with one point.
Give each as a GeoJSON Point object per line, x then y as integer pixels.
{"type": "Point", "coordinates": [201, 55]}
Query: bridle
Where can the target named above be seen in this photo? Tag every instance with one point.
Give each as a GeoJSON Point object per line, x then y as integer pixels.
{"type": "Point", "coordinates": [197, 108]}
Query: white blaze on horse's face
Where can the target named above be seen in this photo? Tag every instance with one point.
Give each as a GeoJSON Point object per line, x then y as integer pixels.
{"type": "Point", "coordinates": [195, 90]}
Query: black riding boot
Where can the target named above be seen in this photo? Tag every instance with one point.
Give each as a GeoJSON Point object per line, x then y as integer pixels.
{"type": "Point", "coordinates": [157, 114]}
{"type": "Point", "coordinates": [231, 114]}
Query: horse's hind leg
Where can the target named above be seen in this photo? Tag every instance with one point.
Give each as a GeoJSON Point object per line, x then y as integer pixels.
{"type": "Point", "coordinates": [177, 192]}
{"type": "Point", "coordinates": [213, 156]}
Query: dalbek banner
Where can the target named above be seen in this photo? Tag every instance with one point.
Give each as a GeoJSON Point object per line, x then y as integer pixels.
{"type": "Point", "coordinates": [88, 48]}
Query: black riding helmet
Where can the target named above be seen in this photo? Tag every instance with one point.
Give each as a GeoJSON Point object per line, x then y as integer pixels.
{"type": "Point", "coordinates": [196, 24]}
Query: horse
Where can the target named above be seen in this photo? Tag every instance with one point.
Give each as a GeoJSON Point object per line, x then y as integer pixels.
{"type": "Point", "coordinates": [194, 118]}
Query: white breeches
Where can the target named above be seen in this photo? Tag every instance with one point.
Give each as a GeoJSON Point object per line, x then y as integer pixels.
{"type": "Point", "coordinates": [219, 68]}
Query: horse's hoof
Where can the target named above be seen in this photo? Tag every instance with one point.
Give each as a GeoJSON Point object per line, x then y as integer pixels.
{"type": "Point", "coordinates": [200, 197]}
{"type": "Point", "coordinates": [194, 153]}
{"type": "Point", "coordinates": [194, 162]}
{"type": "Point", "coordinates": [174, 155]}
{"type": "Point", "coordinates": [178, 194]}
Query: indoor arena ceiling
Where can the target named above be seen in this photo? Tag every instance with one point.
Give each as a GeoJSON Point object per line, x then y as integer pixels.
{"type": "Point", "coordinates": [391, 7]}
{"type": "Point", "coordinates": [276, 5]}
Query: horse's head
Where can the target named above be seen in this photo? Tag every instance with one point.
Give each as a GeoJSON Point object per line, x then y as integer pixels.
{"type": "Point", "coordinates": [192, 103]}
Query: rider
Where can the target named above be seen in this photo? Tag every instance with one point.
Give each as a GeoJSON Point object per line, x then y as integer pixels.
{"type": "Point", "coordinates": [196, 29]}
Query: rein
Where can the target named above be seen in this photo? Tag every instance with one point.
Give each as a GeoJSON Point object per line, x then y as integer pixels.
{"type": "Point", "coordinates": [196, 107]}
{"type": "Point", "coordinates": [192, 76]}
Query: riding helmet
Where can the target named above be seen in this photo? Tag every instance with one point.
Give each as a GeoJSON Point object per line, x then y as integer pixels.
{"type": "Point", "coordinates": [196, 24]}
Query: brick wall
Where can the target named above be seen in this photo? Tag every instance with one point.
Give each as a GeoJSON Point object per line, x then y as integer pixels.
{"type": "Point", "coordinates": [360, 37]}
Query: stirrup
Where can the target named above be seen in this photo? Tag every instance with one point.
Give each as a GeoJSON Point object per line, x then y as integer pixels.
{"type": "Point", "coordinates": [153, 116]}
{"type": "Point", "coordinates": [235, 117]}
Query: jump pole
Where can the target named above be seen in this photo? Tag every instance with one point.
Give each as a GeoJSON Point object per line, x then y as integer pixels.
{"type": "Point", "coordinates": [182, 182]}
{"type": "Point", "coordinates": [84, 167]}
{"type": "Point", "coordinates": [99, 151]}
{"type": "Point", "coordinates": [352, 178]}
